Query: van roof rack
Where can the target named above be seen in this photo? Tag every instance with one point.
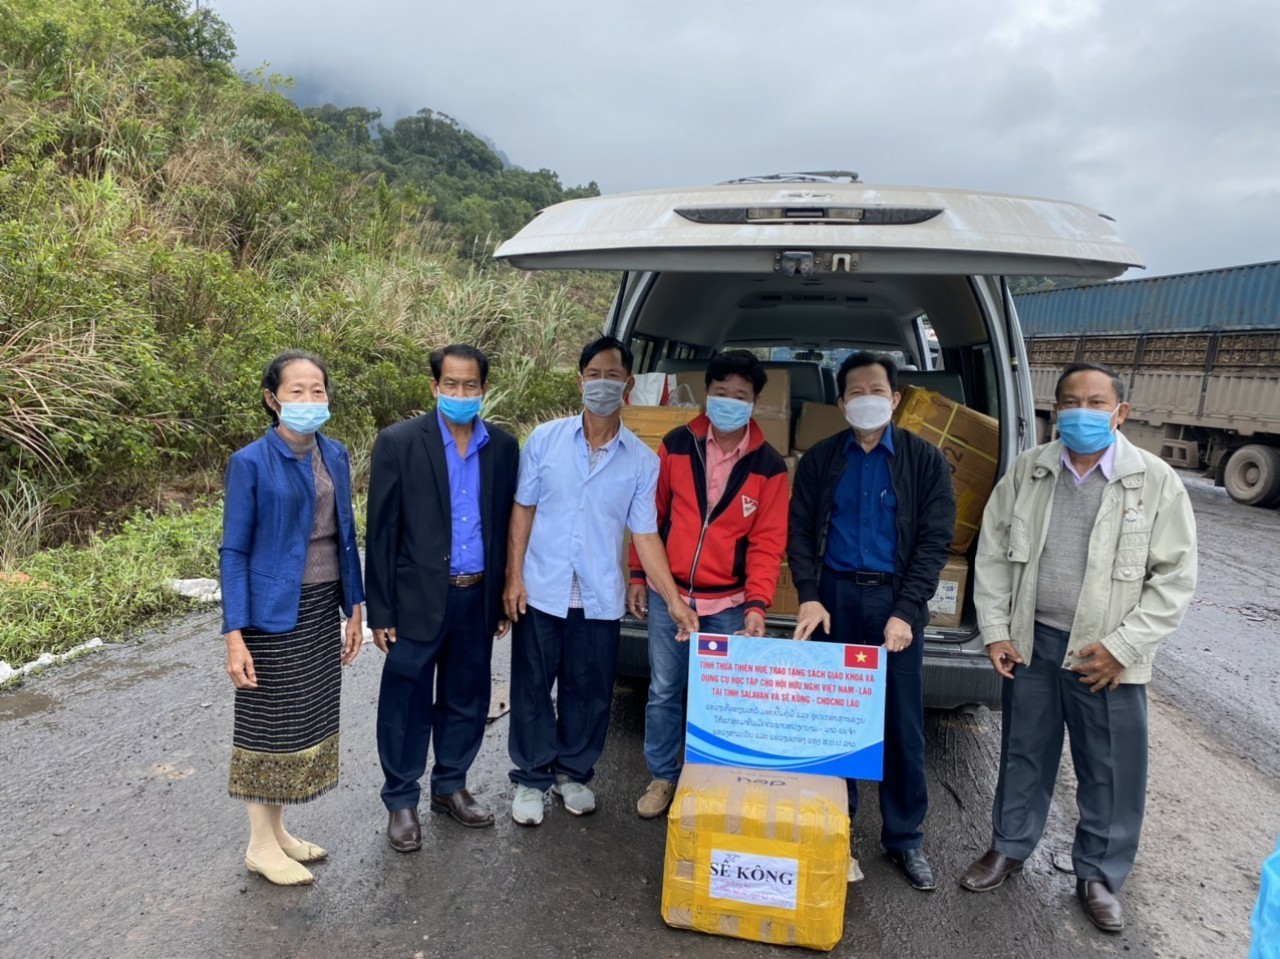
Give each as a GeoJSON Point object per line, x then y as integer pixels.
{"type": "Point", "coordinates": [817, 176]}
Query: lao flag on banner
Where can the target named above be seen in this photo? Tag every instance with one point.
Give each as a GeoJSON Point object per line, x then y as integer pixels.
{"type": "Point", "coordinates": [862, 657]}
{"type": "Point", "coordinates": [713, 645]}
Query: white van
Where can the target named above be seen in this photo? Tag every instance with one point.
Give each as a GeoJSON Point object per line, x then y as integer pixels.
{"type": "Point", "coordinates": [810, 266]}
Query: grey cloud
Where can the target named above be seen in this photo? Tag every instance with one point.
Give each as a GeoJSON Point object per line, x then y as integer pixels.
{"type": "Point", "coordinates": [1160, 113]}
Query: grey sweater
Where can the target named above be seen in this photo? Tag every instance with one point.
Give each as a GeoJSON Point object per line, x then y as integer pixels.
{"type": "Point", "coordinates": [1060, 576]}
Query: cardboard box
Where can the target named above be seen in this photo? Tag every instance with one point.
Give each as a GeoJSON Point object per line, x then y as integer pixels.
{"type": "Point", "coordinates": [791, 462]}
{"type": "Point", "coordinates": [947, 604]}
{"type": "Point", "coordinates": [652, 423]}
{"type": "Point", "coordinates": [786, 601]}
{"type": "Point", "coordinates": [773, 411]}
{"type": "Point", "coordinates": [696, 385]}
{"type": "Point", "coordinates": [970, 441]}
{"type": "Point", "coordinates": [773, 406]}
{"type": "Point", "coordinates": [758, 855]}
{"type": "Point", "coordinates": [818, 421]}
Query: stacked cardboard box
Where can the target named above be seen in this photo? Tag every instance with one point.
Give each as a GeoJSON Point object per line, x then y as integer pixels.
{"type": "Point", "coordinates": [971, 443]}
{"type": "Point", "coordinates": [818, 421]}
{"type": "Point", "coordinates": [759, 855]}
{"type": "Point", "coordinates": [786, 601]}
{"type": "Point", "coordinates": [791, 462]}
{"type": "Point", "coordinates": [947, 604]}
{"type": "Point", "coordinates": [652, 423]}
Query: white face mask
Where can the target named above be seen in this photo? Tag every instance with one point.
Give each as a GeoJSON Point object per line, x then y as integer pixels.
{"type": "Point", "coordinates": [868, 413]}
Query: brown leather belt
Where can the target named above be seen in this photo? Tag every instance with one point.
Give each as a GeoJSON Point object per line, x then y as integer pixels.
{"type": "Point", "coordinates": [471, 579]}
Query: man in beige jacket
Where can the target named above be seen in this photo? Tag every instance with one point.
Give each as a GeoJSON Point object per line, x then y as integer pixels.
{"type": "Point", "coordinates": [1087, 560]}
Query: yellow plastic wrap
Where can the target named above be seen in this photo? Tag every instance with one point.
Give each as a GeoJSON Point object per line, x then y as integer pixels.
{"type": "Point", "coordinates": [758, 855]}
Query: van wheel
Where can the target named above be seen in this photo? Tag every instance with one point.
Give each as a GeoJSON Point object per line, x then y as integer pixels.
{"type": "Point", "coordinates": [1252, 475]}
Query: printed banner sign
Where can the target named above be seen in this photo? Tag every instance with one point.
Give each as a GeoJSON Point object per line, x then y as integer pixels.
{"type": "Point", "coordinates": [781, 704]}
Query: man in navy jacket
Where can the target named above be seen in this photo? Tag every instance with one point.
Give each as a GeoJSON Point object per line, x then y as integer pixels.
{"type": "Point", "coordinates": [440, 496]}
{"type": "Point", "coordinates": [872, 516]}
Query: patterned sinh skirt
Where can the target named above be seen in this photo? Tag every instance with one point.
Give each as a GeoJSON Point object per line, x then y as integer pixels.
{"type": "Point", "coordinates": [285, 747]}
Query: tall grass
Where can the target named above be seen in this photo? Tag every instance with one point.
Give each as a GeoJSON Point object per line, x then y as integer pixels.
{"type": "Point", "coordinates": [165, 229]}
{"type": "Point", "coordinates": [52, 376]}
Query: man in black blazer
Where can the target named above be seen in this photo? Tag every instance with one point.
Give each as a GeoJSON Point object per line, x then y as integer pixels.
{"type": "Point", "coordinates": [440, 496]}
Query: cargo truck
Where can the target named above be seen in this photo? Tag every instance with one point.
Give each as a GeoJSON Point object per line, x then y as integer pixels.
{"type": "Point", "coordinates": [1200, 354]}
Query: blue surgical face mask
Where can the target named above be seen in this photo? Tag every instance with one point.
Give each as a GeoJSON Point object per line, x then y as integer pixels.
{"type": "Point", "coordinates": [304, 418]}
{"type": "Point", "coordinates": [603, 397]}
{"type": "Point", "coordinates": [727, 414]}
{"type": "Point", "coordinates": [1086, 431]}
{"type": "Point", "coordinates": [459, 410]}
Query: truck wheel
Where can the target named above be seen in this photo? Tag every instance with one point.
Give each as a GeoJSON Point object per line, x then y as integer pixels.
{"type": "Point", "coordinates": [1044, 430]}
{"type": "Point", "coordinates": [1252, 476]}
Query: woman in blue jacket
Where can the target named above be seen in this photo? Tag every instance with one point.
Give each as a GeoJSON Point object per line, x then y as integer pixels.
{"type": "Point", "coordinates": [289, 562]}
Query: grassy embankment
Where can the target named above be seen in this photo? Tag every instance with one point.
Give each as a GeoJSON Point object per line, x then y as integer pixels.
{"type": "Point", "coordinates": [166, 227]}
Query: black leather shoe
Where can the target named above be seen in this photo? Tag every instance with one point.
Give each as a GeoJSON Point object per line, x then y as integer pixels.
{"type": "Point", "coordinates": [464, 808]}
{"type": "Point", "coordinates": [404, 832]}
{"type": "Point", "coordinates": [1100, 904]}
{"type": "Point", "coordinates": [989, 872]}
{"type": "Point", "coordinates": [915, 867]}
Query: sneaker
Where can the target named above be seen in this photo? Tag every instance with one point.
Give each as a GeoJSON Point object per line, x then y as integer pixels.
{"type": "Point", "coordinates": [656, 799]}
{"type": "Point", "coordinates": [578, 799]}
{"type": "Point", "coordinates": [526, 807]}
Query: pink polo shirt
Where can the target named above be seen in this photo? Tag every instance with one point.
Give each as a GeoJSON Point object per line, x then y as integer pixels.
{"type": "Point", "coordinates": [719, 465]}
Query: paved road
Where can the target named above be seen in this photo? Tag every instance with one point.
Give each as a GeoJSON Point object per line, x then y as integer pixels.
{"type": "Point", "coordinates": [119, 841]}
{"type": "Point", "coordinates": [1223, 665]}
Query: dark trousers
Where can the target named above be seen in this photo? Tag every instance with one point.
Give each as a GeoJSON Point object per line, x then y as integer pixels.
{"type": "Point", "coordinates": [579, 656]}
{"type": "Point", "coordinates": [1108, 733]}
{"type": "Point", "coordinates": [859, 615]}
{"type": "Point", "coordinates": [457, 663]}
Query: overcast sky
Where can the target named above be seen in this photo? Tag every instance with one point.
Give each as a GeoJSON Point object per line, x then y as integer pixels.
{"type": "Point", "coordinates": [1164, 114]}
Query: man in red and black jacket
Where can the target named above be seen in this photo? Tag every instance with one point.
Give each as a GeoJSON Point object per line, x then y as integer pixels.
{"type": "Point", "coordinates": [722, 513]}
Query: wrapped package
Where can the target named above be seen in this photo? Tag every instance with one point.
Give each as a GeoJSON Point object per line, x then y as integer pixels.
{"type": "Point", "coordinates": [971, 443]}
{"type": "Point", "coordinates": [759, 855]}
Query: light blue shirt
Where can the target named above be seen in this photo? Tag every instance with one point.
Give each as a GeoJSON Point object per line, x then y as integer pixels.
{"type": "Point", "coordinates": [467, 554]}
{"type": "Point", "coordinates": [582, 514]}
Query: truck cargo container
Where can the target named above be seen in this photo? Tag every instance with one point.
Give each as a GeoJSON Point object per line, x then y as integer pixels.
{"type": "Point", "coordinates": [1200, 354]}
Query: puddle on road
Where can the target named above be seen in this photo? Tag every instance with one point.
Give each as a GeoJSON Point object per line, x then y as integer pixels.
{"type": "Point", "coordinates": [124, 674]}
{"type": "Point", "coordinates": [24, 704]}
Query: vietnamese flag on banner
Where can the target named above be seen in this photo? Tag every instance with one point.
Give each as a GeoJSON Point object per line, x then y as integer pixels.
{"type": "Point", "coordinates": [862, 657]}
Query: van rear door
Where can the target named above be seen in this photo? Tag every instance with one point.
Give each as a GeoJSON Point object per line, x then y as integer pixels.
{"type": "Point", "coordinates": [823, 228]}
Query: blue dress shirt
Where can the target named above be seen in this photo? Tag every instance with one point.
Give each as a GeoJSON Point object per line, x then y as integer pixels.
{"type": "Point", "coordinates": [864, 513]}
{"type": "Point", "coordinates": [581, 515]}
{"type": "Point", "coordinates": [467, 554]}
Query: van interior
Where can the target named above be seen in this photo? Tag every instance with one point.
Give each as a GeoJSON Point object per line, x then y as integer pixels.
{"type": "Point", "coordinates": [815, 322]}
{"type": "Point", "coordinates": [932, 325]}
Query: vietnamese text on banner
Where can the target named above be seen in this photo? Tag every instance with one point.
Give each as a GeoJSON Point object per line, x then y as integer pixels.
{"type": "Point", "coordinates": [787, 705]}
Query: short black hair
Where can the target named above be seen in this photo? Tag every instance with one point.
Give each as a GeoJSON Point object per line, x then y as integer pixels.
{"type": "Point", "coordinates": [742, 363]}
{"type": "Point", "coordinates": [274, 373]}
{"type": "Point", "coordinates": [1084, 366]}
{"type": "Point", "coordinates": [459, 351]}
{"type": "Point", "coordinates": [866, 358]}
{"type": "Point", "coordinates": [595, 347]}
